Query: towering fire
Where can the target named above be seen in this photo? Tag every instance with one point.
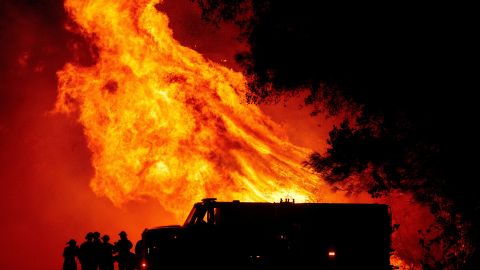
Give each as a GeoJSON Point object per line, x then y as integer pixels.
{"type": "Point", "coordinates": [164, 122]}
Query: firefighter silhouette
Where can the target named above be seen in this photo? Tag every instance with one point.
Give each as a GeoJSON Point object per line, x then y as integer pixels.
{"type": "Point", "coordinates": [139, 251]}
{"type": "Point", "coordinates": [69, 254]}
{"type": "Point", "coordinates": [96, 246]}
{"type": "Point", "coordinates": [123, 247]}
{"type": "Point", "coordinates": [86, 253]}
{"type": "Point", "coordinates": [106, 254]}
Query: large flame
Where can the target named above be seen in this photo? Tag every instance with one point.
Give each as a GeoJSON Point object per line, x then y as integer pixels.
{"type": "Point", "coordinates": [164, 122]}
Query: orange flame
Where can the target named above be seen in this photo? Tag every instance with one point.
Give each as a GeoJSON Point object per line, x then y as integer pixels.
{"type": "Point", "coordinates": [164, 122]}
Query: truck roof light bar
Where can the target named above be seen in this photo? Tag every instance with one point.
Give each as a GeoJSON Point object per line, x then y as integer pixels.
{"type": "Point", "coordinates": [209, 200]}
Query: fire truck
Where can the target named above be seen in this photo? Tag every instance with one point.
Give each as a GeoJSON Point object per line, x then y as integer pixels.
{"type": "Point", "coordinates": [285, 235]}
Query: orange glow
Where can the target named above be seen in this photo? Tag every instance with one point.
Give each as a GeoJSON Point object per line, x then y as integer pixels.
{"type": "Point", "coordinates": [163, 122]}
{"type": "Point", "coordinates": [331, 254]}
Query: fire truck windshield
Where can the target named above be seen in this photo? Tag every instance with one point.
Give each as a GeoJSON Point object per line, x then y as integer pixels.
{"type": "Point", "coordinates": [201, 214]}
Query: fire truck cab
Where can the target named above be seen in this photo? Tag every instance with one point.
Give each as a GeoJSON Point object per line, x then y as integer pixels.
{"type": "Point", "coordinates": [286, 235]}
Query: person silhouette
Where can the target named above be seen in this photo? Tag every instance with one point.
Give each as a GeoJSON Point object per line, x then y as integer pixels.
{"type": "Point", "coordinates": [106, 254]}
{"type": "Point", "coordinates": [69, 254]}
{"type": "Point", "coordinates": [131, 261]}
{"type": "Point", "coordinates": [123, 247]}
{"type": "Point", "coordinates": [139, 253]}
{"type": "Point", "coordinates": [85, 254]}
{"type": "Point", "coordinates": [96, 246]}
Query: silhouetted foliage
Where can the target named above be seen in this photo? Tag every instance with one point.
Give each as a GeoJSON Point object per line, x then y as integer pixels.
{"type": "Point", "coordinates": [404, 71]}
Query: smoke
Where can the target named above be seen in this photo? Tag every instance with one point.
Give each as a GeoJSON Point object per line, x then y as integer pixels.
{"type": "Point", "coordinates": [46, 165]}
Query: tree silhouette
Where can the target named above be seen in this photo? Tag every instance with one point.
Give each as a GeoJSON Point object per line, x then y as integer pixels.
{"type": "Point", "coordinates": [403, 72]}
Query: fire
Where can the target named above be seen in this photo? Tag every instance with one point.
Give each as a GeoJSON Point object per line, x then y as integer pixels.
{"type": "Point", "coordinates": [163, 122]}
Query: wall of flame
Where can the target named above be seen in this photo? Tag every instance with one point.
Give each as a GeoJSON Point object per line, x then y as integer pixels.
{"type": "Point", "coordinates": [164, 122]}
{"type": "Point", "coordinates": [46, 166]}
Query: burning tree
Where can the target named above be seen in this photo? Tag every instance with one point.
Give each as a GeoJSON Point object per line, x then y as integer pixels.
{"type": "Point", "coordinates": [398, 71]}
{"type": "Point", "coordinates": [164, 122]}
